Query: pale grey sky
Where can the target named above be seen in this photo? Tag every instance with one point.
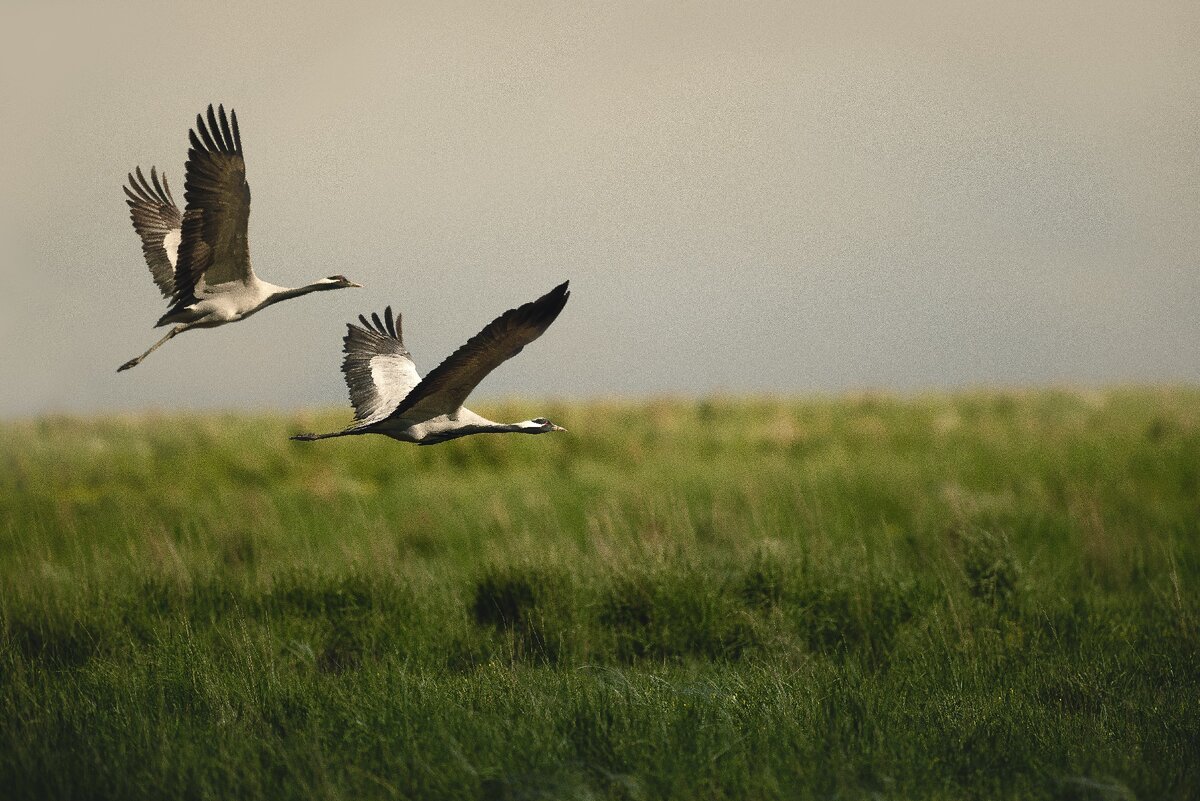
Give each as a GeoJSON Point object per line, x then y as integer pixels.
{"type": "Point", "coordinates": [750, 197]}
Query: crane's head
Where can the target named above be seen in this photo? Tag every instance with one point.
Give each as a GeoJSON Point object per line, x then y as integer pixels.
{"type": "Point", "coordinates": [338, 282]}
{"type": "Point", "coordinates": [539, 425]}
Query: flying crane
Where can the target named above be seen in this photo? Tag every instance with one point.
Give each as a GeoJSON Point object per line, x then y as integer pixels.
{"type": "Point", "coordinates": [200, 258]}
{"type": "Point", "coordinates": [391, 398]}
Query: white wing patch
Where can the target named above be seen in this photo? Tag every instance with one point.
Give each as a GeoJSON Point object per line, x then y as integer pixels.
{"type": "Point", "coordinates": [379, 371]}
{"type": "Point", "coordinates": [394, 377]}
{"type": "Point", "coordinates": [171, 244]}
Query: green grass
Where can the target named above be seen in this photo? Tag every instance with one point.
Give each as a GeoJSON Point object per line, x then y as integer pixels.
{"type": "Point", "coordinates": [984, 595]}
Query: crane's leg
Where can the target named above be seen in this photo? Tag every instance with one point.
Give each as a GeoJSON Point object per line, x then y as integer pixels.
{"type": "Point", "coordinates": [179, 329]}
{"type": "Point", "coordinates": [311, 437]}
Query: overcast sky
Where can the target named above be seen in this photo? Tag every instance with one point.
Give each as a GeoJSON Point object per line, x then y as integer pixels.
{"type": "Point", "coordinates": [789, 197]}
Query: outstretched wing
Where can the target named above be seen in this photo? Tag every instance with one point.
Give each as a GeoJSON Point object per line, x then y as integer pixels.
{"type": "Point", "coordinates": [445, 389]}
{"type": "Point", "coordinates": [379, 371]}
{"type": "Point", "coordinates": [157, 221]}
{"type": "Point", "coordinates": [214, 248]}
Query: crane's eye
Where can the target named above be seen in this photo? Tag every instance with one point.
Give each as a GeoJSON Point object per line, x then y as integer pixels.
{"type": "Point", "coordinates": [541, 421]}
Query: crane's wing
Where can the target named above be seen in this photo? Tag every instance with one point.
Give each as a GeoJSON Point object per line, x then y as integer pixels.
{"type": "Point", "coordinates": [214, 248]}
{"type": "Point", "coordinates": [379, 370]}
{"type": "Point", "coordinates": [157, 221]}
{"type": "Point", "coordinates": [447, 386]}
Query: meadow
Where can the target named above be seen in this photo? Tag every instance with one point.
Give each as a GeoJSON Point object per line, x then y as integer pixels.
{"type": "Point", "coordinates": [972, 595]}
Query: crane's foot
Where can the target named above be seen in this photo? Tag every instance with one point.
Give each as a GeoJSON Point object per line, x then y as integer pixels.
{"type": "Point", "coordinates": [128, 364]}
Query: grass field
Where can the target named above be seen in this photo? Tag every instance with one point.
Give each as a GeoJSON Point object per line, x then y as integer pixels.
{"type": "Point", "coordinates": [983, 595]}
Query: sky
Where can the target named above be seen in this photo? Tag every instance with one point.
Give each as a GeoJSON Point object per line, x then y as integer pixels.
{"type": "Point", "coordinates": [794, 197]}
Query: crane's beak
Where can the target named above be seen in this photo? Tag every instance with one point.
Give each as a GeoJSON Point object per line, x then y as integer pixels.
{"type": "Point", "coordinates": [556, 428]}
{"type": "Point", "coordinates": [351, 283]}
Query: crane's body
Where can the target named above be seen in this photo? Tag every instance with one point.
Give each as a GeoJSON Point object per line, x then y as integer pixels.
{"type": "Point", "coordinates": [392, 399]}
{"type": "Point", "coordinates": [228, 303]}
{"type": "Point", "coordinates": [442, 428]}
{"type": "Point", "coordinates": [200, 257]}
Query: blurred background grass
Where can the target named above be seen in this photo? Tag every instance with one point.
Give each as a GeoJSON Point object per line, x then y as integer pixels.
{"type": "Point", "coordinates": [984, 594]}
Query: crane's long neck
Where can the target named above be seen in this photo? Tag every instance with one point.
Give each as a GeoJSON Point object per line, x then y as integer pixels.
{"type": "Point", "coordinates": [482, 425]}
{"type": "Point", "coordinates": [507, 428]}
{"type": "Point", "coordinates": [486, 427]}
{"type": "Point", "coordinates": [472, 423]}
{"type": "Point", "coordinates": [283, 293]}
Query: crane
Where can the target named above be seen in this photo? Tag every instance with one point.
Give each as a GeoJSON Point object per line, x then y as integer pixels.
{"type": "Point", "coordinates": [200, 258]}
{"type": "Point", "coordinates": [391, 398]}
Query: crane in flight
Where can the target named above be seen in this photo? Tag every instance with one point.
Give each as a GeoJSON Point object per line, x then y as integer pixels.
{"type": "Point", "coordinates": [391, 398]}
{"type": "Point", "coordinates": [200, 258]}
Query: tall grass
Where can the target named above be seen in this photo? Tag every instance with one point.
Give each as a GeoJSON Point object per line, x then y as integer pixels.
{"type": "Point", "coordinates": [975, 595]}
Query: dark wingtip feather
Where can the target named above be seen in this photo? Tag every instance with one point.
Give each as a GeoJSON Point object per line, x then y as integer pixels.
{"type": "Point", "coordinates": [202, 129]}
{"type": "Point", "coordinates": [215, 130]}
{"type": "Point", "coordinates": [237, 136]}
{"type": "Point", "coordinates": [225, 132]}
{"type": "Point", "coordinates": [158, 187]}
{"type": "Point", "coordinates": [154, 182]}
{"type": "Point", "coordinates": [545, 310]}
{"type": "Point", "coordinates": [554, 300]}
{"type": "Point", "coordinates": [388, 326]}
{"type": "Point", "coordinates": [138, 190]}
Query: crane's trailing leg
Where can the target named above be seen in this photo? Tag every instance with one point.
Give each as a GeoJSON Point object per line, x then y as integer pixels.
{"type": "Point", "coordinates": [179, 329]}
{"type": "Point", "coordinates": [311, 437]}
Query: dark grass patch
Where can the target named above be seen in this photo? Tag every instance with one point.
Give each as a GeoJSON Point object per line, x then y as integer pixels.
{"type": "Point", "coordinates": [58, 642]}
{"type": "Point", "coordinates": [991, 569]}
{"type": "Point", "coordinates": [671, 616]}
{"type": "Point", "coordinates": [527, 609]}
{"type": "Point", "coordinates": [853, 618]}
